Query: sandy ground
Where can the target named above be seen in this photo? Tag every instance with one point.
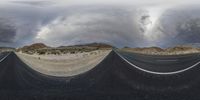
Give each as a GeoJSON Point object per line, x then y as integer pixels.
{"type": "Point", "coordinates": [65, 64]}
{"type": "Point", "coordinates": [153, 52]}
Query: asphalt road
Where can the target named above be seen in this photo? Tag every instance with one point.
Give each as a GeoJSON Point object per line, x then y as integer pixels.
{"type": "Point", "coordinates": [162, 64]}
{"type": "Point", "coordinates": [112, 79]}
{"type": "Point", "coordinates": [3, 55]}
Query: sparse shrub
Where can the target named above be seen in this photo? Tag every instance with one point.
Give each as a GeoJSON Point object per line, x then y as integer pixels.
{"type": "Point", "coordinates": [72, 52]}
{"type": "Point", "coordinates": [41, 52]}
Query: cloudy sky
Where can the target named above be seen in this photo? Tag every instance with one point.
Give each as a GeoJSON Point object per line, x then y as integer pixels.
{"type": "Point", "coordinates": [134, 23]}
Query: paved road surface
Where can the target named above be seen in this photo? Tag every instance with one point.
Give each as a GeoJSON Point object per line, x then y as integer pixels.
{"type": "Point", "coordinates": [112, 79]}
{"type": "Point", "coordinates": [162, 64]}
{"type": "Point", "coordinates": [3, 55]}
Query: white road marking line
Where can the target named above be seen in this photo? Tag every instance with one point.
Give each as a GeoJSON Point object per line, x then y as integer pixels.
{"type": "Point", "coordinates": [4, 57]}
{"type": "Point", "coordinates": [167, 60]}
{"type": "Point", "coordinates": [160, 73]}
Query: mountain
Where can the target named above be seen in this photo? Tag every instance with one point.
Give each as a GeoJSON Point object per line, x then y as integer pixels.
{"type": "Point", "coordinates": [31, 49]}
{"type": "Point", "coordinates": [146, 50]}
{"type": "Point", "coordinates": [94, 45]}
{"type": "Point", "coordinates": [196, 45]}
{"type": "Point", "coordinates": [168, 51]}
{"type": "Point", "coordinates": [40, 48]}
{"type": "Point", "coordinates": [6, 49]}
{"type": "Point", "coordinates": [35, 46]}
{"type": "Point", "coordinates": [179, 49]}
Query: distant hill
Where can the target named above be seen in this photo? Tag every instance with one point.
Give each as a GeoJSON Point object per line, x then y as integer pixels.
{"type": "Point", "coordinates": [168, 51]}
{"type": "Point", "coordinates": [35, 46]}
{"type": "Point", "coordinates": [32, 48]}
{"type": "Point", "coordinates": [40, 48]}
{"type": "Point", "coordinates": [180, 48]}
{"type": "Point", "coordinates": [6, 49]}
{"type": "Point", "coordinates": [197, 45]}
{"type": "Point", "coordinates": [146, 49]}
{"type": "Point", "coordinates": [96, 45]}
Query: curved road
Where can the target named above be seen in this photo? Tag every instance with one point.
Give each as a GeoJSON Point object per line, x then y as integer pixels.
{"type": "Point", "coordinates": [3, 55]}
{"type": "Point", "coordinates": [161, 64]}
{"type": "Point", "coordinates": [112, 79]}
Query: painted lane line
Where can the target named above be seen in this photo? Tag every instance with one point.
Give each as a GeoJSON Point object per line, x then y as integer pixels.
{"type": "Point", "coordinates": [4, 57]}
{"type": "Point", "coordinates": [159, 73]}
{"type": "Point", "coordinates": [167, 60]}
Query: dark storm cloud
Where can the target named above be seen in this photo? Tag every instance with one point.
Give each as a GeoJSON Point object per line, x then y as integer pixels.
{"type": "Point", "coordinates": [113, 25]}
{"type": "Point", "coordinates": [26, 20]}
{"type": "Point", "coordinates": [68, 25]}
{"type": "Point", "coordinates": [181, 26]}
{"type": "Point", "coordinates": [7, 31]}
{"type": "Point", "coordinates": [34, 3]}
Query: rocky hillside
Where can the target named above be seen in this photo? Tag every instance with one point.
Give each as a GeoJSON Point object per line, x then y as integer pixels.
{"type": "Point", "coordinates": [40, 48]}
{"type": "Point", "coordinates": [94, 45]}
{"type": "Point", "coordinates": [35, 46]}
{"type": "Point", "coordinates": [177, 50]}
{"type": "Point", "coordinates": [31, 49]}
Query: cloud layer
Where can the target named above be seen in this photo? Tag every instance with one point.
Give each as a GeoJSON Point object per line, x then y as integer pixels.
{"type": "Point", "coordinates": [23, 22]}
{"type": "Point", "coordinates": [180, 26]}
{"type": "Point", "coordinates": [7, 31]}
{"type": "Point", "coordinates": [111, 25]}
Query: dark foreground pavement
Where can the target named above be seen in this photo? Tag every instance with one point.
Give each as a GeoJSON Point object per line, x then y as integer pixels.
{"type": "Point", "coordinates": [158, 63]}
{"type": "Point", "coordinates": [112, 79]}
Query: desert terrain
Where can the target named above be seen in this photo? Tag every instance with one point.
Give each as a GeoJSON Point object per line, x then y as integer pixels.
{"type": "Point", "coordinates": [6, 49]}
{"type": "Point", "coordinates": [63, 61]}
{"type": "Point", "coordinates": [177, 50]}
{"type": "Point", "coordinates": [93, 71]}
{"type": "Point", "coordinates": [76, 59]}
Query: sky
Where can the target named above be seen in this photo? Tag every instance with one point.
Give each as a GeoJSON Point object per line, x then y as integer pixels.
{"type": "Point", "coordinates": [133, 23]}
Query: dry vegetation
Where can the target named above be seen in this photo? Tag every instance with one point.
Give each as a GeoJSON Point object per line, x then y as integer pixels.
{"type": "Point", "coordinates": [178, 50]}
{"type": "Point", "coordinates": [6, 49]}
{"type": "Point", "coordinates": [65, 64]}
{"type": "Point", "coordinates": [64, 60]}
{"type": "Point", "coordinates": [42, 49]}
